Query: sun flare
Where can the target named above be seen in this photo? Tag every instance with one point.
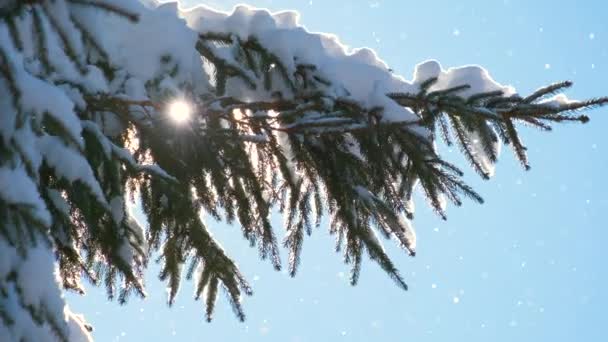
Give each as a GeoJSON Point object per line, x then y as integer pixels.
{"type": "Point", "coordinates": [180, 111]}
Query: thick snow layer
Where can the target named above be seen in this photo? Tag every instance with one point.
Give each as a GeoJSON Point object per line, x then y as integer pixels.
{"type": "Point", "coordinates": [475, 76]}
{"type": "Point", "coordinates": [39, 287]}
{"type": "Point", "coordinates": [55, 102]}
{"type": "Point", "coordinates": [344, 67]}
{"type": "Point", "coordinates": [282, 34]}
{"type": "Point", "coordinates": [139, 48]}
{"type": "Point", "coordinates": [557, 100]}
{"type": "Point", "coordinates": [70, 164]}
{"type": "Point", "coordinates": [16, 188]}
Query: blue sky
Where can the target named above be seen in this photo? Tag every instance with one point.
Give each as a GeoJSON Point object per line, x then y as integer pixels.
{"type": "Point", "coordinates": [528, 265]}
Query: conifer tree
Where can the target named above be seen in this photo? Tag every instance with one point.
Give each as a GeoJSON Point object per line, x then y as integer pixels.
{"type": "Point", "coordinates": [279, 118]}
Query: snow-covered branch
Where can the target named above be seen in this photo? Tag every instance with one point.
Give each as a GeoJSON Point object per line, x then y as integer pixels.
{"type": "Point", "coordinates": [277, 117]}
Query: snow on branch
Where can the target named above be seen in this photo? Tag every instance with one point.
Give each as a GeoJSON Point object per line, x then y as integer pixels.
{"type": "Point", "coordinates": [279, 118]}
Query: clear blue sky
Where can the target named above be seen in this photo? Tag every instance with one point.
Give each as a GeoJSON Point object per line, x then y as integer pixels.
{"type": "Point", "coordinates": [529, 265]}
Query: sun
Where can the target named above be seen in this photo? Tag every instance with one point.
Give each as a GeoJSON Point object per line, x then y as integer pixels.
{"type": "Point", "coordinates": [180, 111]}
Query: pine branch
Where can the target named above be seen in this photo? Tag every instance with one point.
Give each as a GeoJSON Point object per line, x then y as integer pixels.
{"type": "Point", "coordinates": [300, 143]}
{"type": "Point", "coordinates": [111, 8]}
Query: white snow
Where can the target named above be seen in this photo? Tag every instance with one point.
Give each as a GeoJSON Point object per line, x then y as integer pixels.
{"type": "Point", "coordinates": [38, 280]}
{"type": "Point", "coordinates": [70, 164]}
{"type": "Point", "coordinates": [139, 48]}
{"type": "Point", "coordinates": [17, 188]}
{"type": "Point", "coordinates": [557, 100]}
{"type": "Point", "coordinates": [117, 208]}
{"type": "Point", "coordinates": [282, 34]}
{"type": "Point", "coordinates": [475, 76]}
{"type": "Point", "coordinates": [487, 166]}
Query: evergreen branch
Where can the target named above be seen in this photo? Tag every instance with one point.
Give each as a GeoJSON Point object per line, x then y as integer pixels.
{"type": "Point", "coordinates": [68, 46]}
{"type": "Point", "coordinates": [6, 72]}
{"type": "Point", "coordinates": [546, 91]}
{"type": "Point", "coordinates": [12, 9]}
{"type": "Point", "coordinates": [108, 8]}
{"type": "Point", "coordinates": [303, 149]}
{"type": "Point", "coordinates": [41, 40]}
{"type": "Point", "coordinates": [225, 68]}
{"type": "Point", "coordinates": [499, 111]}
{"type": "Point", "coordinates": [465, 145]}
{"type": "Point", "coordinates": [89, 38]}
{"type": "Point", "coordinates": [14, 32]}
{"type": "Point", "coordinates": [480, 97]}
